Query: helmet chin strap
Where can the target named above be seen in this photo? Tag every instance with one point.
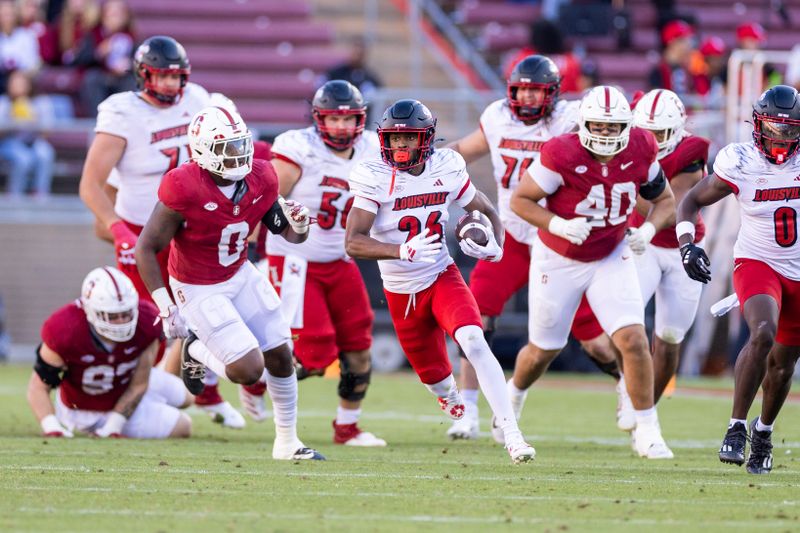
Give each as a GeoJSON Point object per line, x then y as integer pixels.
{"type": "Point", "coordinates": [236, 174]}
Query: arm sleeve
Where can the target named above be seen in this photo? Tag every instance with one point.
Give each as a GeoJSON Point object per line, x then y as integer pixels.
{"type": "Point", "coordinates": [543, 171]}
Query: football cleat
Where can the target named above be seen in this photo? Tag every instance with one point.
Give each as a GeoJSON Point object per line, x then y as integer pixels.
{"type": "Point", "coordinates": [352, 435]}
{"type": "Point", "coordinates": [254, 404]}
{"type": "Point", "coordinates": [760, 459]}
{"type": "Point", "coordinates": [521, 452]}
{"type": "Point", "coordinates": [467, 427]}
{"type": "Point", "coordinates": [626, 419]}
{"type": "Point", "coordinates": [295, 452]}
{"type": "Point", "coordinates": [224, 413]}
{"type": "Point", "coordinates": [497, 432]}
{"type": "Point", "coordinates": [452, 404]}
{"type": "Point", "coordinates": [192, 371]}
{"type": "Point", "coordinates": [650, 444]}
{"type": "Point", "coordinates": [733, 445]}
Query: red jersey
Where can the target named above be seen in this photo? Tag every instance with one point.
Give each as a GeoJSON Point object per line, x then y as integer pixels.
{"type": "Point", "coordinates": [690, 151]}
{"type": "Point", "coordinates": [96, 378]}
{"type": "Point", "coordinates": [212, 243]}
{"type": "Point", "coordinates": [603, 192]}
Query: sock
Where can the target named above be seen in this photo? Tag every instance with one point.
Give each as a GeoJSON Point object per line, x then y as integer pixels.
{"type": "Point", "coordinates": [442, 388]}
{"type": "Point", "coordinates": [283, 393]}
{"type": "Point", "coordinates": [517, 397]}
{"type": "Point", "coordinates": [471, 396]}
{"type": "Point", "coordinates": [200, 351]}
{"type": "Point", "coordinates": [491, 379]}
{"type": "Point", "coordinates": [735, 421]}
{"type": "Point", "coordinates": [646, 417]}
{"type": "Point", "coordinates": [764, 427]}
{"type": "Point", "coordinates": [347, 416]}
{"type": "Point", "coordinates": [211, 379]}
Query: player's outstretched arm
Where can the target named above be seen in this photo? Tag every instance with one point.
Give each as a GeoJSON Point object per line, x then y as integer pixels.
{"type": "Point", "coordinates": [472, 147]}
{"type": "Point", "coordinates": [130, 399]}
{"type": "Point", "coordinates": [482, 203]}
{"type": "Point", "coordinates": [104, 153]}
{"type": "Point", "coordinates": [358, 242]}
{"type": "Point", "coordinates": [45, 377]}
{"type": "Point", "coordinates": [708, 191]}
{"type": "Point", "coordinates": [156, 235]}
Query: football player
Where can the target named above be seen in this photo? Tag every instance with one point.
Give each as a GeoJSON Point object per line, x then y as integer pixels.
{"type": "Point", "coordinates": [763, 175]}
{"type": "Point", "coordinates": [140, 136]}
{"type": "Point", "coordinates": [683, 158]}
{"type": "Point", "coordinates": [398, 217]}
{"type": "Point", "coordinates": [513, 130]}
{"type": "Point", "coordinates": [590, 181]}
{"type": "Point", "coordinates": [321, 288]}
{"type": "Point", "coordinates": [98, 351]}
{"type": "Point", "coordinates": [207, 208]}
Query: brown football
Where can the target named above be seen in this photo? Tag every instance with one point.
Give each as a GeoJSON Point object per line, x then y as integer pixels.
{"type": "Point", "coordinates": [475, 226]}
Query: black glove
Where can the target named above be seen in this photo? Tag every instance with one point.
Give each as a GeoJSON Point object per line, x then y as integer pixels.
{"type": "Point", "coordinates": [696, 262]}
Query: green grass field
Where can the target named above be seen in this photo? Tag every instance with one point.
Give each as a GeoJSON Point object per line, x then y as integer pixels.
{"type": "Point", "coordinates": [585, 477]}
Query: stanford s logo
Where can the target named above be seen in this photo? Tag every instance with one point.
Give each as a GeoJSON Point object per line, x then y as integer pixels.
{"type": "Point", "coordinates": [236, 210]}
{"type": "Point", "coordinates": [544, 279]}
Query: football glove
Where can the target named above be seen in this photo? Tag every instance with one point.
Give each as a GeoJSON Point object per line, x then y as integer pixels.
{"type": "Point", "coordinates": [490, 252]}
{"type": "Point", "coordinates": [639, 238]}
{"type": "Point", "coordinates": [112, 428]}
{"type": "Point", "coordinates": [696, 262]}
{"type": "Point", "coordinates": [575, 230]}
{"type": "Point", "coordinates": [175, 326]}
{"type": "Point", "coordinates": [124, 243]}
{"type": "Point", "coordinates": [296, 214]}
{"type": "Point", "coordinates": [51, 427]}
{"type": "Point", "coordinates": [423, 248]}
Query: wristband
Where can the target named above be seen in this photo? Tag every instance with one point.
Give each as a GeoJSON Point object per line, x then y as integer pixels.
{"type": "Point", "coordinates": [163, 300]}
{"type": "Point", "coordinates": [684, 227]}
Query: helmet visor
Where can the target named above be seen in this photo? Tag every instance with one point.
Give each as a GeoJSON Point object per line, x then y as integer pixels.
{"type": "Point", "coordinates": [780, 131]}
{"type": "Point", "coordinates": [235, 152]}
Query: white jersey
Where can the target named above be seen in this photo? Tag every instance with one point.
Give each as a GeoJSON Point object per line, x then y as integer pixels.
{"type": "Point", "coordinates": [405, 205]}
{"type": "Point", "coordinates": [513, 147]}
{"type": "Point", "coordinates": [157, 142]}
{"type": "Point", "coordinates": [323, 188]}
{"type": "Point", "coordinates": [769, 199]}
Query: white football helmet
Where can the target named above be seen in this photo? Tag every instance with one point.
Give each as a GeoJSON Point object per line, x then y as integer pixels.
{"type": "Point", "coordinates": [608, 105]}
{"type": "Point", "coordinates": [661, 110]}
{"type": "Point", "coordinates": [111, 303]}
{"type": "Point", "coordinates": [220, 100]}
{"type": "Point", "coordinates": [221, 143]}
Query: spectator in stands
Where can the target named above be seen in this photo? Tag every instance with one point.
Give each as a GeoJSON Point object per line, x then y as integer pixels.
{"type": "Point", "coordinates": [752, 36]}
{"type": "Point", "coordinates": [19, 49]}
{"type": "Point", "coordinates": [548, 40]}
{"type": "Point", "coordinates": [714, 71]}
{"type": "Point", "coordinates": [32, 17]}
{"type": "Point", "coordinates": [356, 71]}
{"type": "Point", "coordinates": [22, 144]}
{"type": "Point", "coordinates": [64, 35]}
{"type": "Point", "coordinates": [590, 76]}
{"type": "Point", "coordinates": [107, 53]}
{"type": "Point", "coordinates": [672, 72]}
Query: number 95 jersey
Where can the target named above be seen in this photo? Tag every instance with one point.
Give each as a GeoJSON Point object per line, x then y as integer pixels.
{"type": "Point", "coordinates": [156, 142]}
{"type": "Point", "coordinates": [513, 147]}
{"type": "Point", "coordinates": [323, 188]}
{"type": "Point", "coordinates": [404, 205]}
{"type": "Point", "coordinates": [769, 199]}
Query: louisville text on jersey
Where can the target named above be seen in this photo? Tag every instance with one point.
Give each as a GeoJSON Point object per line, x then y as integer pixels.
{"type": "Point", "coordinates": [776, 195]}
{"type": "Point", "coordinates": [522, 145]}
{"type": "Point", "coordinates": [337, 183]}
{"type": "Point", "coordinates": [420, 200]}
{"type": "Point", "coordinates": [169, 133]}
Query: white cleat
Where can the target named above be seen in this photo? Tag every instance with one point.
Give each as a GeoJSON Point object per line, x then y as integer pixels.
{"type": "Point", "coordinates": [254, 405]}
{"type": "Point", "coordinates": [367, 440]}
{"type": "Point", "coordinates": [521, 452]}
{"type": "Point", "coordinates": [452, 404]}
{"type": "Point", "coordinates": [626, 418]}
{"type": "Point", "coordinates": [650, 444]}
{"type": "Point", "coordinates": [295, 451]}
{"type": "Point", "coordinates": [467, 428]}
{"type": "Point", "coordinates": [224, 413]}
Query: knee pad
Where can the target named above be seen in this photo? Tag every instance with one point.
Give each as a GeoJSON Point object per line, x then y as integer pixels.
{"type": "Point", "coordinates": [349, 381]}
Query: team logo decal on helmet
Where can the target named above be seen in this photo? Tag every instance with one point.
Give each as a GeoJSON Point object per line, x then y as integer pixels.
{"type": "Point", "coordinates": [221, 143]}
{"type": "Point", "coordinates": [111, 303]}
{"type": "Point", "coordinates": [338, 98]}
{"type": "Point", "coordinates": [605, 104]}
{"type": "Point", "coordinates": [407, 116]}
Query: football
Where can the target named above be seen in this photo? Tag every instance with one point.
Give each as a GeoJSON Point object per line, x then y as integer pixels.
{"type": "Point", "coordinates": [475, 226]}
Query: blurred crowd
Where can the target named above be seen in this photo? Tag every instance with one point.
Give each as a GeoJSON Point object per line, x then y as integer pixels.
{"type": "Point", "coordinates": [58, 60]}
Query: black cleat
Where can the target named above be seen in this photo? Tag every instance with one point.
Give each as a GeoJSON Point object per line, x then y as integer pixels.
{"type": "Point", "coordinates": [192, 371]}
{"type": "Point", "coordinates": [307, 454]}
{"type": "Point", "coordinates": [732, 449]}
{"type": "Point", "coordinates": [760, 459]}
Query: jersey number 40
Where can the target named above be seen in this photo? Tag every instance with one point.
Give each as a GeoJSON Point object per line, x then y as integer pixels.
{"type": "Point", "coordinates": [594, 205]}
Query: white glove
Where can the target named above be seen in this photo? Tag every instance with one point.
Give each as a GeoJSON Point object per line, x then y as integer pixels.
{"type": "Point", "coordinates": [51, 427]}
{"type": "Point", "coordinates": [575, 230]}
{"type": "Point", "coordinates": [112, 427]}
{"type": "Point", "coordinates": [296, 213]}
{"type": "Point", "coordinates": [638, 238]}
{"type": "Point", "coordinates": [175, 326]}
{"type": "Point", "coordinates": [490, 252]}
{"type": "Point", "coordinates": [423, 248]}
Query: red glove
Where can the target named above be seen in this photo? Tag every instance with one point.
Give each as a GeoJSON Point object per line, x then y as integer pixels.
{"type": "Point", "coordinates": [124, 244]}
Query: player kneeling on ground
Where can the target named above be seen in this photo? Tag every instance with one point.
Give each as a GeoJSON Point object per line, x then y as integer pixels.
{"type": "Point", "coordinates": [99, 351]}
{"type": "Point", "coordinates": [207, 208]}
